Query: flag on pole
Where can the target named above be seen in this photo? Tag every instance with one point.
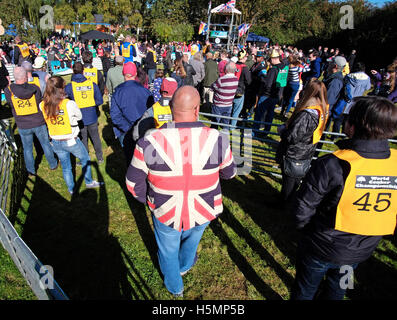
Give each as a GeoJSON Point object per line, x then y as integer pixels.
{"type": "Point", "coordinates": [241, 29]}
{"type": "Point", "coordinates": [246, 28]}
{"type": "Point", "coordinates": [231, 4]}
{"type": "Point", "coordinates": [203, 28]}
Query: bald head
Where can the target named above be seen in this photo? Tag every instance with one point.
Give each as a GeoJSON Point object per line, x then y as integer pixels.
{"type": "Point", "coordinates": [20, 75]}
{"type": "Point", "coordinates": [185, 104]}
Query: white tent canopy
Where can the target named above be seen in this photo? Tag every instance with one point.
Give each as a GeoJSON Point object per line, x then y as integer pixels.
{"type": "Point", "coordinates": [223, 10]}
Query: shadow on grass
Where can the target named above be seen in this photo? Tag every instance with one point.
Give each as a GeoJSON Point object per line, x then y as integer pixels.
{"type": "Point", "coordinates": [375, 281]}
{"type": "Point", "coordinates": [116, 169]}
{"type": "Point", "coordinates": [258, 199]}
{"type": "Point", "coordinates": [72, 237]}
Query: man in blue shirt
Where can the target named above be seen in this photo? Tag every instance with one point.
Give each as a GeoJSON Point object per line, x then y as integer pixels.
{"type": "Point", "coordinates": [130, 100]}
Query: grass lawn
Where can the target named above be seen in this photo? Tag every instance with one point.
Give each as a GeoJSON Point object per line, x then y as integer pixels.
{"type": "Point", "coordinates": [101, 245]}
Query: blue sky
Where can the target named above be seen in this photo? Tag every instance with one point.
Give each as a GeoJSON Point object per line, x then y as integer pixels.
{"type": "Point", "coordinates": [378, 3]}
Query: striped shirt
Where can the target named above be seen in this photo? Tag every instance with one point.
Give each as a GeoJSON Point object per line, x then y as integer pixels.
{"type": "Point", "coordinates": [293, 74]}
{"type": "Point", "coordinates": [224, 90]}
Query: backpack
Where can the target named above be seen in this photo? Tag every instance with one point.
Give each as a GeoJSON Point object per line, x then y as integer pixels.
{"type": "Point", "coordinates": [282, 76]}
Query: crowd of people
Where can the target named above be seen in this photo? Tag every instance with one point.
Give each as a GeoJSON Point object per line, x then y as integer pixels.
{"type": "Point", "coordinates": [174, 162]}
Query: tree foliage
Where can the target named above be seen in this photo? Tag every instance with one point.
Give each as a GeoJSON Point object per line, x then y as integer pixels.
{"type": "Point", "coordinates": [297, 22]}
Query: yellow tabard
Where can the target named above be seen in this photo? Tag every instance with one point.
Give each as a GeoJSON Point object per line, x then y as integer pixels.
{"type": "Point", "coordinates": [24, 107]}
{"type": "Point", "coordinates": [161, 114]}
{"type": "Point", "coordinates": [126, 52]}
{"type": "Point", "coordinates": [83, 93]}
{"type": "Point", "coordinates": [24, 48]}
{"type": "Point", "coordinates": [35, 81]}
{"type": "Point", "coordinates": [59, 126]}
{"type": "Point", "coordinates": [321, 120]}
{"type": "Point", "coordinates": [368, 205]}
{"type": "Point", "coordinates": [91, 74]}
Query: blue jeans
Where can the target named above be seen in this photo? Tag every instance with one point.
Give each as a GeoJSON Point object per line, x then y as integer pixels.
{"type": "Point", "coordinates": [222, 111]}
{"type": "Point", "coordinates": [151, 73]}
{"type": "Point", "coordinates": [293, 90]}
{"type": "Point", "coordinates": [309, 274]}
{"type": "Point", "coordinates": [265, 109]}
{"type": "Point", "coordinates": [27, 143]}
{"type": "Point", "coordinates": [79, 151]}
{"type": "Point", "coordinates": [176, 252]}
{"type": "Point", "coordinates": [238, 104]}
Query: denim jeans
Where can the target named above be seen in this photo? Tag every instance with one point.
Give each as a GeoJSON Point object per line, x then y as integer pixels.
{"type": "Point", "coordinates": [222, 111]}
{"type": "Point", "coordinates": [27, 143]}
{"type": "Point", "coordinates": [176, 252]}
{"type": "Point", "coordinates": [63, 151]}
{"type": "Point", "coordinates": [293, 88]}
{"type": "Point", "coordinates": [151, 73]}
{"type": "Point", "coordinates": [265, 109]}
{"type": "Point", "coordinates": [238, 104]}
{"type": "Point", "coordinates": [309, 275]}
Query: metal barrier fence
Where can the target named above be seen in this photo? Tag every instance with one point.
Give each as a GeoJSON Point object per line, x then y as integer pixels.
{"type": "Point", "coordinates": [262, 158]}
{"type": "Point", "coordinates": [37, 275]}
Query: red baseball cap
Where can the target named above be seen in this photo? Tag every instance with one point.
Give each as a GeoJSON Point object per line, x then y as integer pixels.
{"type": "Point", "coordinates": [169, 85]}
{"type": "Point", "coordinates": [129, 68]}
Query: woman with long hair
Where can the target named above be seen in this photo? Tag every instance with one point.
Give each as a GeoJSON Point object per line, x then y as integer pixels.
{"type": "Point", "coordinates": [300, 136]}
{"type": "Point", "coordinates": [62, 116]}
{"type": "Point", "coordinates": [179, 73]}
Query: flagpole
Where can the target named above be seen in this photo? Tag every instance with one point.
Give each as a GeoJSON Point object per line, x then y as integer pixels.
{"type": "Point", "coordinates": [209, 21]}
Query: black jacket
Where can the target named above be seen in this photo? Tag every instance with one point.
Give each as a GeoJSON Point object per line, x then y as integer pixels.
{"type": "Point", "coordinates": [25, 91]}
{"type": "Point", "coordinates": [316, 202]}
{"type": "Point", "coordinates": [268, 85]}
{"type": "Point", "coordinates": [244, 81]}
{"type": "Point", "coordinates": [190, 72]}
{"type": "Point", "coordinates": [296, 140]}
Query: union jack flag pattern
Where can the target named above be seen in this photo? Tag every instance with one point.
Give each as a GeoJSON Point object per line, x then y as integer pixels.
{"type": "Point", "coordinates": [176, 171]}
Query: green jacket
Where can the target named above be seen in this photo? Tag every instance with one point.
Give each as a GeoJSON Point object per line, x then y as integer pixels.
{"type": "Point", "coordinates": [211, 73]}
{"type": "Point", "coordinates": [114, 78]}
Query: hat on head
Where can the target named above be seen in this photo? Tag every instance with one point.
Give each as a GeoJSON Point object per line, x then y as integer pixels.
{"type": "Point", "coordinates": [275, 54]}
{"type": "Point", "coordinates": [129, 68]}
{"type": "Point", "coordinates": [234, 59]}
{"type": "Point", "coordinates": [260, 54]}
{"type": "Point", "coordinates": [242, 53]}
{"type": "Point", "coordinates": [38, 63]}
{"type": "Point", "coordinates": [169, 86]}
{"type": "Point", "coordinates": [340, 61]}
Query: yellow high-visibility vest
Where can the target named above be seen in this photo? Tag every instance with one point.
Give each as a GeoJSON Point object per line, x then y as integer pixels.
{"type": "Point", "coordinates": [24, 48]}
{"type": "Point", "coordinates": [83, 93]}
{"type": "Point", "coordinates": [161, 114]}
{"type": "Point", "coordinates": [91, 74]}
{"type": "Point", "coordinates": [368, 205]}
{"type": "Point", "coordinates": [36, 81]}
{"type": "Point", "coordinates": [24, 107]}
{"type": "Point", "coordinates": [154, 55]}
{"type": "Point", "coordinates": [323, 118]}
{"type": "Point", "coordinates": [126, 52]}
{"type": "Point", "coordinates": [59, 125]}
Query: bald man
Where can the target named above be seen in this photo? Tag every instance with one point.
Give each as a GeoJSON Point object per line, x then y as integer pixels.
{"type": "Point", "coordinates": [24, 99]}
{"type": "Point", "coordinates": [176, 171]}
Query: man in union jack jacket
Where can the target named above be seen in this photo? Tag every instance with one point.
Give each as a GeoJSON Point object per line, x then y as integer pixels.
{"type": "Point", "coordinates": [176, 170]}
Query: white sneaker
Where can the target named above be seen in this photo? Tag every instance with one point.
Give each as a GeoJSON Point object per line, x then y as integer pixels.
{"type": "Point", "coordinates": [94, 184]}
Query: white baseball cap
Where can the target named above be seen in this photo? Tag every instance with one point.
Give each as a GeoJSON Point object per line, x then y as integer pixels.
{"type": "Point", "coordinates": [38, 63]}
